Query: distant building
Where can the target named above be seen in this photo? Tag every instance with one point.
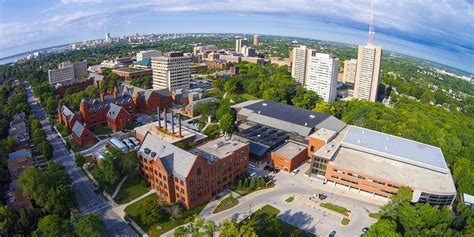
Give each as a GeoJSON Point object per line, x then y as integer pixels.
{"type": "Point", "coordinates": [118, 118]}
{"type": "Point", "coordinates": [280, 61]}
{"type": "Point", "coordinates": [231, 58]}
{"type": "Point", "coordinates": [248, 51]}
{"type": "Point", "coordinates": [148, 54]}
{"type": "Point", "coordinates": [350, 69]}
{"type": "Point", "coordinates": [239, 43]}
{"type": "Point", "coordinates": [107, 38]}
{"type": "Point", "coordinates": [67, 71]}
{"type": "Point", "coordinates": [322, 71]}
{"type": "Point", "coordinates": [256, 60]}
{"type": "Point", "coordinates": [299, 64]}
{"type": "Point", "coordinates": [73, 85]}
{"type": "Point", "coordinates": [195, 177]}
{"type": "Point", "coordinates": [171, 71]}
{"type": "Point", "coordinates": [128, 73]}
{"type": "Point", "coordinates": [368, 72]}
{"type": "Point", "coordinates": [190, 108]}
{"type": "Point", "coordinates": [255, 40]}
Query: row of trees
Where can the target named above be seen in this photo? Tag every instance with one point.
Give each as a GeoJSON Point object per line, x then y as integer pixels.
{"type": "Point", "coordinates": [39, 136]}
{"type": "Point", "coordinates": [253, 183]}
{"type": "Point", "coordinates": [201, 227]}
{"type": "Point", "coordinates": [401, 218]}
{"type": "Point", "coordinates": [25, 223]}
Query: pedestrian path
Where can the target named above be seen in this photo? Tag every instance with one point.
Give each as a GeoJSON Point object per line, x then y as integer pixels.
{"type": "Point", "coordinates": [119, 186]}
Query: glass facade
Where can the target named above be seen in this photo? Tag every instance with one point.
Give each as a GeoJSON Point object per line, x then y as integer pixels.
{"type": "Point", "coordinates": [319, 166]}
{"type": "Point", "coordinates": [438, 200]}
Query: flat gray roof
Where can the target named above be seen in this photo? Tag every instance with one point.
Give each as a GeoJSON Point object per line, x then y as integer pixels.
{"type": "Point", "coordinates": [218, 149]}
{"type": "Point", "coordinates": [290, 149]}
{"type": "Point", "coordinates": [396, 148]}
{"type": "Point", "coordinates": [391, 170]}
{"type": "Point", "coordinates": [324, 134]}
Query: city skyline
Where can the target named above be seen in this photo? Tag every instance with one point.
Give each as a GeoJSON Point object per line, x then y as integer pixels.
{"type": "Point", "coordinates": [399, 27]}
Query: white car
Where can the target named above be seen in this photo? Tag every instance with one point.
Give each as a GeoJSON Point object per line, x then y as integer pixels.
{"type": "Point", "coordinates": [295, 171]}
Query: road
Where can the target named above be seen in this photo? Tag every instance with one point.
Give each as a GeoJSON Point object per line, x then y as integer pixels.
{"type": "Point", "coordinates": [88, 201]}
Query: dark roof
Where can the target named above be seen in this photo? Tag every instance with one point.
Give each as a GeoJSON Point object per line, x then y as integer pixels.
{"type": "Point", "coordinates": [286, 117]}
{"type": "Point", "coordinates": [19, 154]}
{"type": "Point", "coordinates": [78, 129]}
{"type": "Point", "coordinates": [67, 112]}
{"type": "Point", "coordinates": [262, 139]}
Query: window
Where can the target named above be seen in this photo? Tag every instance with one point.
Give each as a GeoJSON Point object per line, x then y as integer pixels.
{"type": "Point", "coordinates": [350, 181]}
{"type": "Point", "coordinates": [393, 186]}
{"type": "Point", "coordinates": [334, 177]}
{"type": "Point", "coordinates": [199, 171]}
{"type": "Point", "coordinates": [312, 149]}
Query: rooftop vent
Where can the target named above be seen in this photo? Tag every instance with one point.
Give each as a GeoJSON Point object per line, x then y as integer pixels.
{"type": "Point", "coordinates": [264, 104]}
{"type": "Point", "coordinates": [147, 150]}
{"type": "Point", "coordinates": [358, 140]}
{"type": "Point", "coordinates": [386, 138]}
{"type": "Point", "coordinates": [332, 145]}
{"type": "Point", "coordinates": [217, 145]}
{"type": "Point", "coordinates": [363, 131]}
{"type": "Point", "coordinates": [305, 124]}
{"type": "Point", "coordinates": [153, 154]}
{"type": "Point", "coordinates": [312, 116]}
{"type": "Point", "coordinates": [386, 148]}
{"type": "Point", "coordinates": [259, 112]}
{"type": "Point", "coordinates": [327, 151]}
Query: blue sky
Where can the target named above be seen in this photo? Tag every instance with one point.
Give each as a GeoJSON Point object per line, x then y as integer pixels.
{"type": "Point", "coordinates": [438, 30]}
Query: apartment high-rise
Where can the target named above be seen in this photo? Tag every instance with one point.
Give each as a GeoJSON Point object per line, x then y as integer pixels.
{"type": "Point", "coordinates": [107, 38]}
{"type": "Point", "coordinates": [248, 51]}
{"type": "Point", "coordinates": [368, 72]}
{"type": "Point", "coordinates": [299, 63]}
{"type": "Point", "coordinates": [171, 71]}
{"type": "Point", "coordinates": [255, 39]}
{"type": "Point", "coordinates": [239, 43]}
{"type": "Point", "coordinates": [350, 68]}
{"type": "Point", "coordinates": [67, 71]}
{"type": "Point", "coordinates": [146, 54]}
{"type": "Point", "coordinates": [321, 75]}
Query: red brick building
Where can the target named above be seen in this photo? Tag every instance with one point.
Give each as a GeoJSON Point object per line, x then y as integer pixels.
{"type": "Point", "coordinates": [81, 134]}
{"type": "Point", "coordinates": [192, 178]}
{"type": "Point", "coordinates": [118, 117]}
{"type": "Point", "coordinates": [289, 156]}
{"type": "Point", "coordinates": [128, 74]}
{"type": "Point", "coordinates": [67, 117]}
{"type": "Point", "coordinates": [74, 85]}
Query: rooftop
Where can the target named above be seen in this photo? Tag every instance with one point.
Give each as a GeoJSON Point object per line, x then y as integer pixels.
{"type": "Point", "coordinates": [19, 154]}
{"type": "Point", "coordinates": [262, 138]}
{"type": "Point", "coordinates": [394, 171]}
{"type": "Point", "coordinates": [166, 136]}
{"type": "Point", "coordinates": [395, 148]}
{"type": "Point", "coordinates": [290, 149]}
{"type": "Point", "coordinates": [324, 134]}
{"type": "Point", "coordinates": [218, 149]}
{"type": "Point", "coordinates": [176, 161]}
{"type": "Point", "coordinates": [131, 69]}
{"type": "Point", "coordinates": [286, 117]}
{"type": "Point", "coordinates": [78, 128]}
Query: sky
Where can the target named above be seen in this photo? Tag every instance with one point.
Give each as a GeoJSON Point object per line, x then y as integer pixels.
{"type": "Point", "coordinates": [437, 30]}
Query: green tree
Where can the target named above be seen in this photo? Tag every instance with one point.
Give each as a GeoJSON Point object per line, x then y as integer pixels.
{"type": "Point", "coordinates": [91, 225]}
{"type": "Point", "coordinates": [463, 173]}
{"type": "Point", "coordinates": [80, 160]}
{"type": "Point", "coordinates": [149, 212]}
{"type": "Point", "coordinates": [324, 107]}
{"type": "Point", "coordinates": [7, 220]}
{"type": "Point", "coordinates": [253, 184]}
{"type": "Point", "coordinates": [304, 99]}
{"type": "Point", "coordinates": [52, 225]}
{"type": "Point", "coordinates": [383, 228]}
{"type": "Point", "coordinates": [231, 229]}
{"type": "Point", "coordinates": [226, 123]}
{"type": "Point", "coordinates": [239, 184]}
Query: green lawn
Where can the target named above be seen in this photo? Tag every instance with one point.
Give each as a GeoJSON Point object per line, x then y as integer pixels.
{"type": "Point", "coordinates": [375, 215]}
{"type": "Point", "coordinates": [76, 147]}
{"type": "Point", "coordinates": [269, 211]}
{"type": "Point", "coordinates": [225, 204]}
{"type": "Point", "coordinates": [345, 221]}
{"type": "Point", "coordinates": [164, 224]}
{"type": "Point", "coordinates": [246, 191]}
{"type": "Point", "coordinates": [336, 208]}
{"type": "Point", "coordinates": [290, 199]}
{"type": "Point", "coordinates": [131, 189]}
{"type": "Point", "coordinates": [104, 130]}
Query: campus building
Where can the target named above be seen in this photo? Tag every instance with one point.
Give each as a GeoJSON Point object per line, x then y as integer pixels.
{"type": "Point", "coordinates": [369, 61]}
{"type": "Point", "coordinates": [128, 73]}
{"type": "Point", "coordinates": [67, 71]}
{"type": "Point", "coordinates": [192, 178]}
{"type": "Point", "coordinates": [376, 164]}
{"type": "Point", "coordinates": [322, 71]}
{"type": "Point", "coordinates": [299, 63]}
{"type": "Point", "coordinates": [350, 69]}
{"type": "Point", "coordinates": [81, 134]}
{"type": "Point", "coordinates": [171, 71]}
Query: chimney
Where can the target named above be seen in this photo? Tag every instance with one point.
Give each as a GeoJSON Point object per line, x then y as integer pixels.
{"type": "Point", "coordinates": [159, 117]}
{"type": "Point", "coordinates": [102, 95]}
{"type": "Point", "coordinates": [115, 94]}
{"type": "Point", "coordinates": [172, 122]}
{"type": "Point", "coordinates": [179, 124]}
{"type": "Point", "coordinates": [165, 126]}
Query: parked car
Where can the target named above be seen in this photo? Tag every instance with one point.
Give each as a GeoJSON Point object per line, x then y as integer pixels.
{"type": "Point", "coordinates": [252, 175]}
{"type": "Point", "coordinates": [365, 229]}
{"type": "Point", "coordinates": [267, 167]}
{"type": "Point", "coordinates": [295, 171]}
{"type": "Point", "coordinates": [332, 234]}
{"type": "Point", "coordinates": [322, 196]}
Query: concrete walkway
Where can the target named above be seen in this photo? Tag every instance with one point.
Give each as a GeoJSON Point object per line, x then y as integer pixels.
{"type": "Point", "coordinates": [98, 146]}
{"type": "Point", "coordinates": [120, 209]}
{"type": "Point", "coordinates": [119, 186]}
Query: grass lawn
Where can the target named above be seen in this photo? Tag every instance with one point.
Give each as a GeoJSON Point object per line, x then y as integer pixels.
{"type": "Point", "coordinates": [225, 204]}
{"type": "Point", "coordinates": [246, 191]}
{"type": "Point", "coordinates": [133, 211]}
{"type": "Point", "coordinates": [375, 215]}
{"type": "Point", "coordinates": [268, 211]}
{"type": "Point", "coordinates": [132, 188]}
{"type": "Point", "coordinates": [345, 221]}
{"type": "Point", "coordinates": [104, 130]}
{"type": "Point", "coordinates": [336, 208]}
{"type": "Point", "coordinates": [76, 147]}
{"type": "Point", "coordinates": [290, 199]}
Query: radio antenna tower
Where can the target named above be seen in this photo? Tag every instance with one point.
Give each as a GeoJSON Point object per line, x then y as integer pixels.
{"type": "Point", "coordinates": [372, 23]}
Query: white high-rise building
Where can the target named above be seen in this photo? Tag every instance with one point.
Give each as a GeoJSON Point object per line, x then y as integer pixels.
{"type": "Point", "coordinates": [299, 64]}
{"type": "Point", "coordinates": [147, 54]}
{"type": "Point", "coordinates": [107, 38]}
{"type": "Point", "coordinates": [321, 75]}
{"type": "Point", "coordinates": [239, 43]}
{"type": "Point", "coordinates": [171, 71]}
{"type": "Point", "coordinates": [368, 72]}
{"type": "Point", "coordinates": [350, 68]}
